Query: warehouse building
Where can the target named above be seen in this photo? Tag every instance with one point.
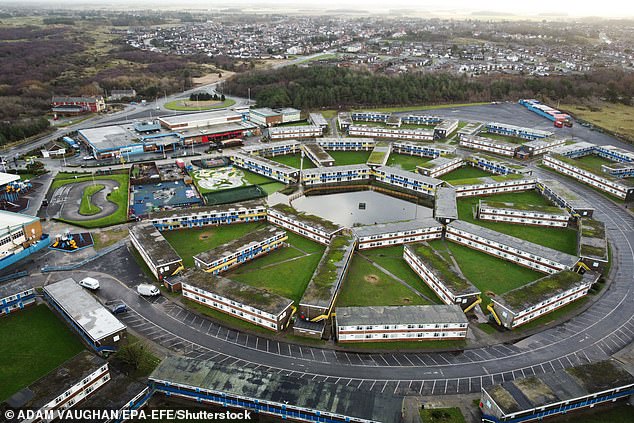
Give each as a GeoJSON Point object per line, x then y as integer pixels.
{"type": "Point", "coordinates": [248, 211]}
{"type": "Point", "coordinates": [536, 299]}
{"type": "Point", "coordinates": [316, 305]}
{"type": "Point", "coordinates": [445, 205]}
{"type": "Point", "coordinates": [496, 165]}
{"type": "Point", "coordinates": [156, 252]}
{"type": "Point", "coordinates": [272, 149]}
{"type": "Point", "coordinates": [523, 214]}
{"type": "Point", "coordinates": [336, 175]}
{"type": "Point", "coordinates": [561, 392]}
{"type": "Point", "coordinates": [241, 250]}
{"type": "Point", "coordinates": [445, 128]}
{"type": "Point", "coordinates": [409, 181]}
{"type": "Point", "coordinates": [125, 141]}
{"type": "Point", "coordinates": [593, 244]}
{"type": "Point", "coordinates": [16, 295]}
{"type": "Point", "coordinates": [439, 166]}
{"type": "Point", "coordinates": [476, 142]}
{"type": "Point", "coordinates": [76, 105]}
{"type": "Point", "coordinates": [397, 233]}
{"type": "Point", "coordinates": [269, 168]}
{"type": "Point", "coordinates": [489, 186]}
{"type": "Point", "coordinates": [20, 236]}
{"type": "Point", "coordinates": [441, 276]}
{"type": "Point", "coordinates": [346, 144]}
{"type": "Point", "coordinates": [400, 323]}
{"type": "Point", "coordinates": [506, 247]}
{"type": "Point", "coordinates": [271, 393]}
{"type": "Point", "coordinates": [254, 305]}
{"type": "Point", "coordinates": [318, 155]}
{"type": "Point", "coordinates": [199, 120]}
{"type": "Point", "coordinates": [422, 150]}
{"type": "Point", "coordinates": [98, 328]}
{"type": "Point", "coordinates": [620, 188]}
{"type": "Point", "coordinates": [291, 132]}
{"type": "Point", "coordinates": [565, 197]}
{"type": "Point", "coordinates": [306, 225]}
{"type": "Point", "coordinates": [66, 386]}
{"type": "Point", "coordinates": [517, 131]}
{"type": "Point", "coordinates": [392, 133]}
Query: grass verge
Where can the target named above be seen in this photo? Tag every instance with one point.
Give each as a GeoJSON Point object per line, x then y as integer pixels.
{"type": "Point", "coordinates": [442, 415]}
{"type": "Point", "coordinates": [86, 208]}
{"type": "Point", "coordinates": [178, 106]}
{"type": "Point", "coordinates": [343, 158]}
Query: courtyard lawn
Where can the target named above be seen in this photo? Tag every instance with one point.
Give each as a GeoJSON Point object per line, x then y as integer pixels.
{"type": "Point", "coordinates": [406, 162]}
{"type": "Point", "coordinates": [500, 137]}
{"type": "Point", "coordinates": [465, 172]}
{"type": "Point", "coordinates": [36, 342]}
{"type": "Point", "coordinates": [561, 239]}
{"type": "Point", "coordinates": [488, 273]}
{"type": "Point", "coordinates": [118, 196]}
{"type": "Point", "coordinates": [366, 285]}
{"type": "Point", "coordinates": [593, 162]}
{"type": "Point", "coordinates": [255, 178]}
{"type": "Point", "coordinates": [189, 242]}
{"type": "Point", "coordinates": [441, 415]}
{"type": "Point", "coordinates": [272, 187]}
{"type": "Point", "coordinates": [293, 160]}
{"type": "Point", "coordinates": [343, 158]}
{"type": "Point", "coordinates": [86, 207]}
{"type": "Point", "coordinates": [391, 259]}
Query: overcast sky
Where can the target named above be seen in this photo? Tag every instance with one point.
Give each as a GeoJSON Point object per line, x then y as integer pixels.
{"type": "Point", "coordinates": [605, 8]}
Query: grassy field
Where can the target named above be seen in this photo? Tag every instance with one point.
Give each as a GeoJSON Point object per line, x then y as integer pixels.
{"type": "Point", "coordinates": [617, 118]}
{"type": "Point", "coordinates": [594, 162]}
{"type": "Point", "coordinates": [406, 162]}
{"type": "Point", "coordinates": [189, 242]}
{"type": "Point", "coordinates": [293, 160]}
{"type": "Point", "coordinates": [464, 173]}
{"type": "Point", "coordinates": [286, 271]}
{"type": "Point", "coordinates": [486, 272]}
{"type": "Point", "coordinates": [25, 176]}
{"type": "Point", "coordinates": [86, 207]}
{"type": "Point", "coordinates": [441, 415]}
{"type": "Point", "coordinates": [391, 259]}
{"type": "Point", "coordinates": [366, 285]}
{"type": "Point", "coordinates": [350, 157]}
{"type": "Point", "coordinates": [561, 239]}
{"type": "Point", "coordinates": [36, 343]}
{"type": "Point", "coordinates": [105, 238]}
{"type": "Point", "coordinates": [118, 196]}
{"type": "Point", "coordinates": [191, 106]}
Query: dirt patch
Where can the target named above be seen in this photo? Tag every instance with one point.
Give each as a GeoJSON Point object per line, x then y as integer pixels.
{"type": "Point", "coordinates": [372, 279]}
{"type": "Point", "coordinates": [407, 300]}
{"type": "Point", "coordinates": [211, 78]}
{"type": "Point", "coordinates": [204, 235]}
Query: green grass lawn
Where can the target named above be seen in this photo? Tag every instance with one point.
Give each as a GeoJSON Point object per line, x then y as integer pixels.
{"type": "Point", "coordinates": [406, 162]}
{"type": "Point", "coordinates": [464, 172]}
{"type": "Point", "coordinates": [366, 285]}
{"type": "Point", "coordinates": [37, 342]}
{"type": "Point", "coordinates": [561, 239]}
{"type": "Point", "coordinates": [272, 187]}
{"type": "Point", "coordinates": [118, 196]}
{"type": "Point", "coordinates": [343, 158]}
{"type": "Point", "coordinates": [441, 415]}
{"type": "Point", "coordinates": [391, 259]}
{"type": "Point", "coordinates": [594, 162]}
{"type": "Point", "coordinates": [189, 242]}
{"type": "Point", "coordinates": [500, 137]}
{"type": "Point", "coordinates": [293, 160]}
{"type": "Point", "coordinates": [486, 272]}
{"type": "Point", "coordinates": [25, 176]}
{"type": "Point", "coordinates": [178, 106]}
{"type": "Point", "coordinates": [86, 207]}
{"type": "Point", "coordinates": [256, 178]}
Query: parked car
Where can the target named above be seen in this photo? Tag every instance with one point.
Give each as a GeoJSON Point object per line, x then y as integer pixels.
{"type": "Point", "coordinates": [89, 158]}
{"type": "Point", "coordinates": [90, 283]}
{"type": "Point", "coordinates": [118, 307]}
{"type": "Point", "coordinates": [147, 290]}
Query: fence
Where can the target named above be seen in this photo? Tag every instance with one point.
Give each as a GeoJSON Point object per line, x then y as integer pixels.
{"type": "Point", "coordinates": [74, 266]}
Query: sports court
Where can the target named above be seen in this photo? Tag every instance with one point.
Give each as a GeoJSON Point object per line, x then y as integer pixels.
{"type": "Point", "coordinates": [153, 197]}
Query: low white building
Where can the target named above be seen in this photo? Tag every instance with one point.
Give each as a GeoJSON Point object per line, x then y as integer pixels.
{"type": "Point", "coordinates": [541, 146]}
{"type": "Point", "coordinates": [496, 165]}
{"type": "Point", "coordinates": [440, 166]}
{"type": "Point", "coordinates": [523, 214]}
{"type": "Point", "coordinates": [489, 186]}
{"type": "Point", "coordinates": [476, 142]}
{"type": "Point", "coordinates": [536, 299]}
{"type": "Point", "coordinates": [506, 247]}
{"type": "Point", "coordinates": [197, 217]}
{"type": "Point", "coordinates": [16, 295]}
{"type": "Point", "coordinates": [159, 256]}
{"type": "Point", "coordinates": [336, 175]}
{"type": "Point", "coordinates": [397, 233]}
{"type": "Point", "coordinates": [408, 180]}
{"type": "Point", "coordinates": [393, 133]}
{"type": "Point", "coordinates": [565, 197]}
{"type": "Point", "coordinates": [517, 131]}
{"type": "Point", "coordinates": [318, 155]}
{"type": "Point", "coordinates": [370, 116]}
{"type": "Point", "coordinates": [290, 132]}
{"type": "Point", "coordinates": [423, 150]}
{"type": "Point", "coordinates": [269, 168]}
{"type": "Point", "coordinates": [306, 225]}
{"type": "Point", "coordinates": [445, 128]}
{"type": "Point", "coordinates": [400, 323]}
{"type": "Point", "coordinates": [421, 120]}
{"type": "Point", "coordinates": [272, 149]}
{"type": "Point", "coordinates": [346, 144]}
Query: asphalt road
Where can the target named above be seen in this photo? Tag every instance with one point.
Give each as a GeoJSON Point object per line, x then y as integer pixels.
{"type": "Point", "coordinates": [67, 199]}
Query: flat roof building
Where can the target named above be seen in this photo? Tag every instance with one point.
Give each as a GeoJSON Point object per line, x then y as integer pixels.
{"type": "Point", "coordinates": [318, 155]}
{"type": "Point", "coordinates": [254, 305]}
{"type": "Point", "coordinates": [565, 197]}
{"type": "Point", "coordinates": [422, 149]}
{"type": "Point", "coordinates": [156, 252]}
{"type": "Point", "coordinates": [291, 132]}
{"type": "Point", "coordinates": [397, 233]}
{"type": "Point", "coordinates": [474, 187]}
{"type": "Point", "coordinates": [409, 181]}
{"type": "Point", "coordinates": [20, 236]}
{"type": "Point", "coordinates": [380, 154]}
{"type": "Point", "coordinates": [346, 144]}
{"type": "Point", "coordinates": [196, 120]}
{"type": "Point", "coordinates": [496, 165]}
{"type": "Point", "coordinates": [593, 243]}
{"type": "Point", "coordinates": [306, 225]}
{"type": "Point", "coordinates": [400, 323]}
{"type": "Point", "coordinates": [476, 142]}
{"type": "Point", "coordinates": [393, 133]}
{"type": "Point", "coordinates": [348, 174]}
{"type": "Point", "coordinates": [517, 131]}
{"type": "Point", "coordinates": [15, 295]}
{"type": "Point", "coordinates": [523, 214]}
{"type": "Point", "coordinates": [445, 205]}
{"type": "Point", "coordinates": [441, 165]}
{"type": "Point", "coordinates": [269, 168]}
{"type": "Point", "coordinates": [273, 148]}
{"type": "Point", "coordinates": [94, 323]}
{"type": "Point", "coordinates": [247, 211]}
{"type": "Point", "coordinates": [445, 128]}
{"type": "Point", "coordinates": [318, 119]}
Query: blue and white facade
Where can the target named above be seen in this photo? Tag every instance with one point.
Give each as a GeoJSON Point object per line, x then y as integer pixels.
{"type": "Point", "coordinates": [440, 166]}
{"type": "Point", "coordinates": [346, 144]}
{"type": "Point", "coordinates": [392, 133]}
{"type": "Point", "coordinates": [204, 216]}
{"type": "Point", "coordinates": [420, 149]}
{"type": "Point", "coordinates": [290, 132]}
{"type": "Point", "coordinates": [476, 142]}
{"type": "Point", "coordinates": [16, 295]}
{"type": "Point", "coordinates": [397, 233]}
{"type": "Point", "coordinates": [370, 116]}
{"type": "Point", "coordinates": [269, 168]}
{"type": "Point", "coordinates": [336, 175]}
{"type": "Point", "coordinates": [494, 165]}
{"type": "Point", "coordinates": [408, 180]}
{"type": "Point", "coordinates": [272, 149]}
{"type": "Point", "coordinates": [488, 186]}
{"type": "Point", "coordinates": [517, 131]}
{"type": "Point", "coordinates": [420, 120]}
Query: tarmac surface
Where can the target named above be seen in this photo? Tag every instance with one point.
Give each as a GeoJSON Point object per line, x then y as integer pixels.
{"type": "Point", "coordinates": [66, 199]}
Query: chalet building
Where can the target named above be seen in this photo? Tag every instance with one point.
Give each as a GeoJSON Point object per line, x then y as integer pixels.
{"type": "Point", "coordinates": [197, 217]}
{"type": "Point", "coordinates": [445, 128]}
{"type": "Point", "coordinates": [421, 120]}
{"type": "Point", "coordinates": [370, 116]}
{"type": "Point", "coordinates": [422, 150]}
{"type": "Point", "coordinates": [540, 146]}
{"type": "Point", "coordinates": [318, 155]}
{"type": "Point", "coordinates": [306, 225]}
{"type": "Point", "coordinates": [536, 299]}
{"type": "Point", "coordinates": [393, 133]}
{"type": "Point", "coordinates": [245, 302]}
{"type": "Point", "coordinates": [318, 119]}
{"type": "Point", "coordinates": [509, 248]}
{"type": "Point", "coordinates": [346, 144]}
{"type": "Point", "coordinates": [156, 252]}
{"type": "Point", "coordinates": [476, 142]}
{"type": "Point", "coordinates": [517, 131]}
{"type": "Point", "coordinates": [409, 181]}
{"type": "Point", "coordinates": [400, 323]}
{"type": "Point", "coordinates": [440, 166]}
{"type": "Point", "coordinates": [336, 175]}
{"type": "Point", "coordinates": [445, 205]}
{"type": "Point", "coordinates": [490, 186]}
{"type": "Point", "coordinates": [269, 168]}
{"type": "Point", "coordinates": [397, 233]}
{"type": "Point", "coordinates": [496, 165]}
{"type": "Point", "coordinates": [16, 295]}
{"type": "Point", "coordinates": [292, 132]}
{"type": "Point", "coordinates": [523, 214]}
{"type": "Point", "coordinates": [565, 197]}
{"type": "Point", "coordinates": [272, 149]}
{"type": "Point", "coordinates": [593, 244]}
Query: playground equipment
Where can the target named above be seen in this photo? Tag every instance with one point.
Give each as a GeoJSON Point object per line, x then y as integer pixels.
{"type": "Point", "coordinates": [66, 241]}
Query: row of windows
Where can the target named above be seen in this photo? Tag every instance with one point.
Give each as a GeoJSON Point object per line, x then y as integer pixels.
{"type": "Point", "coordinates": [403, 335]}
{"type": "Point", "coordinates": [223, 299]}
{"type": "Point", "coordinates": [521, 213]}
{"type": "Point", "coordinates": [531, 221]}
{"type": "Point", "coordinates": [247, 316]}
{"type": "Point", "coordinates": [579, 174]}
{"type": "Point", "coordinates": [408, 326]}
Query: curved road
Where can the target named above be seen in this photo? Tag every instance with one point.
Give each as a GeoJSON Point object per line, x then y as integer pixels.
{"type": "Point", "coordinates": [68, 199]}
{"type": "Point", "coordinates": [606, 327]}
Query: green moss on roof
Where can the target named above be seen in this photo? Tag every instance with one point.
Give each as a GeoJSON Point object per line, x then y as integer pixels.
{"type": "Point", "coordinates": [377, 157]}
{"type": "Point", "coordinates": [510, 176]}
{"type": "Point", "coordinates": [541, 289]}
{"type": "Point", "coordinates": [590, 251]}
{"type": "Point", "coordinates": [592, 228]}
{"type": "Point", "coordinates": [600, 376]}
{"type": "Point", "coordinates": [284, 208]}
{"type": "Point", "coordinates": [326, 273]}
{"type": "Point", "coordinates": [445, 269]}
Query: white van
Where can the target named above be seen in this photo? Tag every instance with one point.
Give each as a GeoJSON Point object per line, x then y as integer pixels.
{"type": "Point", "coordinates": [147, 290]}
{"type": "Point", "coordinates": [90, 283]}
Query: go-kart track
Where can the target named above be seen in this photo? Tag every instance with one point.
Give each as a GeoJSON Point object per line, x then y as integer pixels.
{"type": "Point", "coordinates": [67, 198]}
{"type": "Point", "coordinates": [604, 328]}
